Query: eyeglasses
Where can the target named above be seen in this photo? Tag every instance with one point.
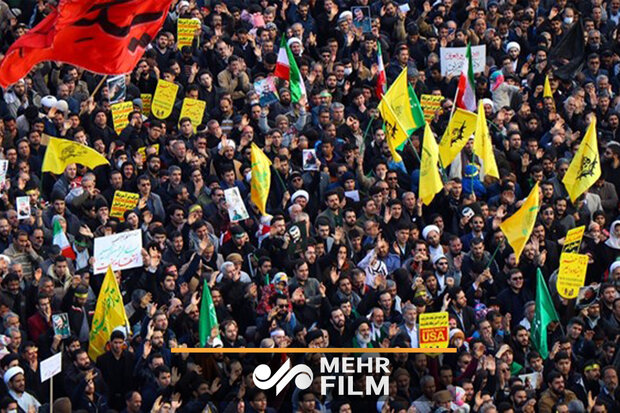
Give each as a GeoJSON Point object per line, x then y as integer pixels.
{"type": "Point", "coordinates": [282, 305]}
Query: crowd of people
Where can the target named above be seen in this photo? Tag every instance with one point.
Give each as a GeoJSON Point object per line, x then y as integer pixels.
{"type": "Point", "coordinates": [348, 255]}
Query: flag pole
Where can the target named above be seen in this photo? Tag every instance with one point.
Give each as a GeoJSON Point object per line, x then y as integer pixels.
{"type": "Point", "coordinates": [494, 254]}
{"type": "Point", "coordinates": [103, 79]}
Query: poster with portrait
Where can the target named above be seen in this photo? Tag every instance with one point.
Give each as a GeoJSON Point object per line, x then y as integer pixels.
{"type": "Point", "coordinates": [236, 208]}
{"type": "Point", "coordinates": [117, 89]}
{"type": "Point", "coordinates": [61, 325]}
{"type": "Point", "coordinates": [361, 18]}
{"type": "Point", "coordinates": [310, 160]}
{"type": "Point", "coordinates": [23, 207]}
{"type": "Point", "coordinates": [267, 91]}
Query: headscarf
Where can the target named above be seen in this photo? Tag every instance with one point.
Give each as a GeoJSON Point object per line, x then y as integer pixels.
{"type": "Point", "coordinates": [613, 241]}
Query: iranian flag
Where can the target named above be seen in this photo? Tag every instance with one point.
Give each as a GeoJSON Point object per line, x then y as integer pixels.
{"type": "Point", "coordinates": [381, 78]}
{"type": "Point", "coordinates": [61, 240]}
{"type": "Point", "coordinates": [466, 92]}
{"type": "Point", "coordinates": [286, 69]}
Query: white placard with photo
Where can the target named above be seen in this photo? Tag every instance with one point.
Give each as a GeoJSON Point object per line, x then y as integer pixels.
{"type": "Point", "coordinates": [236, 207]}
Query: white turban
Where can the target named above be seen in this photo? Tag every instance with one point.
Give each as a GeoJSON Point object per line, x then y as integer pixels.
{"type": "Point", "coordinates": [513, 45]}
{"type": "Point", "coordinates": [427, 230]}
{"type": "Point", "coordinates": [12, 372]}
{"type": "Point", "coordinates": [299, 193]}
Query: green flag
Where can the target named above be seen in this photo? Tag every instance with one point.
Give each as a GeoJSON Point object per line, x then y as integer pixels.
{"type": "Point", "coordinates": [545, 314]}
{"type": "Point", "coordinates": [416, 109]}
{"type": "Point", "coordinates": [416, 113]}
{"type": "Point", "coordinates": [208, 318]}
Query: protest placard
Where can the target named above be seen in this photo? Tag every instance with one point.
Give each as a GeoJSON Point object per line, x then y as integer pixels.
{"type": "Point", "coordinates": [573, 238]}
{"type": "Point", "coordinates": [23, 207]}
{"type": "Point", "coordinates": [123, 201]}
{"type": "Point", "coordinates": [120, 115]}
{"type": "Point", "coordinates": [186, 30]}
{"type": "Point", "coordinates": [164, 98]}
{"type": "Point", "coordinates": [430, 104]}
{"type": "Point", "coordinates": [122, 251]}
{"type": "Point", "coordinates": [267, 90]}
{"type": "Point", "coordinates": [116, 88]}
{"type": "Point", "coordinates": [452, 59]}
{"type": "Point", "coordinates": [193, 109]}
{"type": "Point", "coordinates": [433, 330]}
{"type": "Point", "coordinates": [572, 274]}
{"type": "Point", "coordinates": [236, 208]}
{"type": "Point", "coordinates": [147, 100]}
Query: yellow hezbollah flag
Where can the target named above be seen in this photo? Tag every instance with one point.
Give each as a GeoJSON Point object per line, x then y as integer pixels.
{"type": "Point", "coordinates": [585, 168]}
{"type": "Point", "coordinates": [393, 129]}
{"type": "Point", "coordinates": [461, 126]}
{"type": "Point", "coordinates": [519, 226]}
{"type": "Point", "coordinates": [483, 146]}
{"type": "Point", "coordinates": [430, 179]}
{"type": "Point", "coordinates": [547, 93]}
{"type": "Point", "coordinates": [109, 314]}
{"type": "Point", "coordinates": [62, 152]}
{"type": "Point", "coordinates": [397, 97]}
{"type": "Point", "coordinates": [261, 178]}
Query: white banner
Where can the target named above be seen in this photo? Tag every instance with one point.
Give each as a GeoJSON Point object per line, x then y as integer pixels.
{"type": "Point", "coordinates": [452, 59]}
{"type": "Point", "coordinates": [122, 251]}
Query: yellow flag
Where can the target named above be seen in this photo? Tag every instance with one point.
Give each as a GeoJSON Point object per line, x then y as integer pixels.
{"type": "Point", "coordinates": [483, 146]}
{"type": "Point", "coordinates": [261, 178]}
{"type": "Point", "coordinates": [62, 152]}
{"type": "Point", "coordinates": [460, 128]}
{"type": "Point", "coordinates": [430, 178]}
{"type": "Point", "coordinates": [393, 129]}
{"type": "Point", "coordinates": [397, 97]}
{"type": "Point", "coordinates": [585, 168]}
{"type": "Point", "coordinates": [519, 226]}
{"type": "Point", "coordinates": [109, 314]}
{"type": "Point", "coordinates": [547, 93]}
{"type": "Point", "coordinates": [164, 98]}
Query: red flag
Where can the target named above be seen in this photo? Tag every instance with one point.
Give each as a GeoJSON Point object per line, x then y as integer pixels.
{"type": "Point", "coordinates": [103, 36]}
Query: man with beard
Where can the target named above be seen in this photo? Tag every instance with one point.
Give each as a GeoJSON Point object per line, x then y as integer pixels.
{"type": "Point", "coordinates": [572, 381]}
{"type": "Point", "coordinates": [521, 344]}
{"type": "Point", "coordinates": [608, 390]}
{"type": "Point", "coordinates": [75, 372]}
{"type": "Point", "coordinates": [345, 292]}
{"type": "Point", "coordinates": [362, 336]}
{"type": "Point", "coordinates": [518, 396]}
{"type": "Point", "coordinates": [305, 313]}
{"type": "Point", "coordinates": [277, 241]}
{"type": "Point", "coordinates": [115, 184]}
{"type": "Point", "coordinates": [409, 327]}
{"type": "Point", "coordinates": [280, 315]}
{"type": "Point", "coordinates": [12, 295]}
{"type": "Point", "coordinates": [513, 298]}
{"type": "Point", "coordinates": [310, 286]}
{"type": "Point", "coordinates": [337, 328]}
{"type": "Point", "coordinates": [592, 377]}
{"type": "Point", "coordinates": [15, 380]}
{"type": "Point", "coordinates": [464, 315]}
{"type": "Point", "coordinates": [476, 269]}
{"type": "Point", "coordinates": [116, 367]}
{"type": "Point", "coordinates": [555, 393]}
{"type": "Point", "coordinates": [79, 316]}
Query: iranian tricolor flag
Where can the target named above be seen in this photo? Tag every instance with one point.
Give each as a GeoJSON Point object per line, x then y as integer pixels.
{"type": "Point", "coordinates": [466, 92]}
{"type": "Point", "coordinates": [381, 78]}
{"type": "Point", "coordinates": [286, 69]}
{"type": "Point", "coordinates": [61, 240]}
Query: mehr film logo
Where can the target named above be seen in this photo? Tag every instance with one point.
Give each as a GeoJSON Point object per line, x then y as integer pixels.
{"type": "Point", "coordinates": [337, 372]}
